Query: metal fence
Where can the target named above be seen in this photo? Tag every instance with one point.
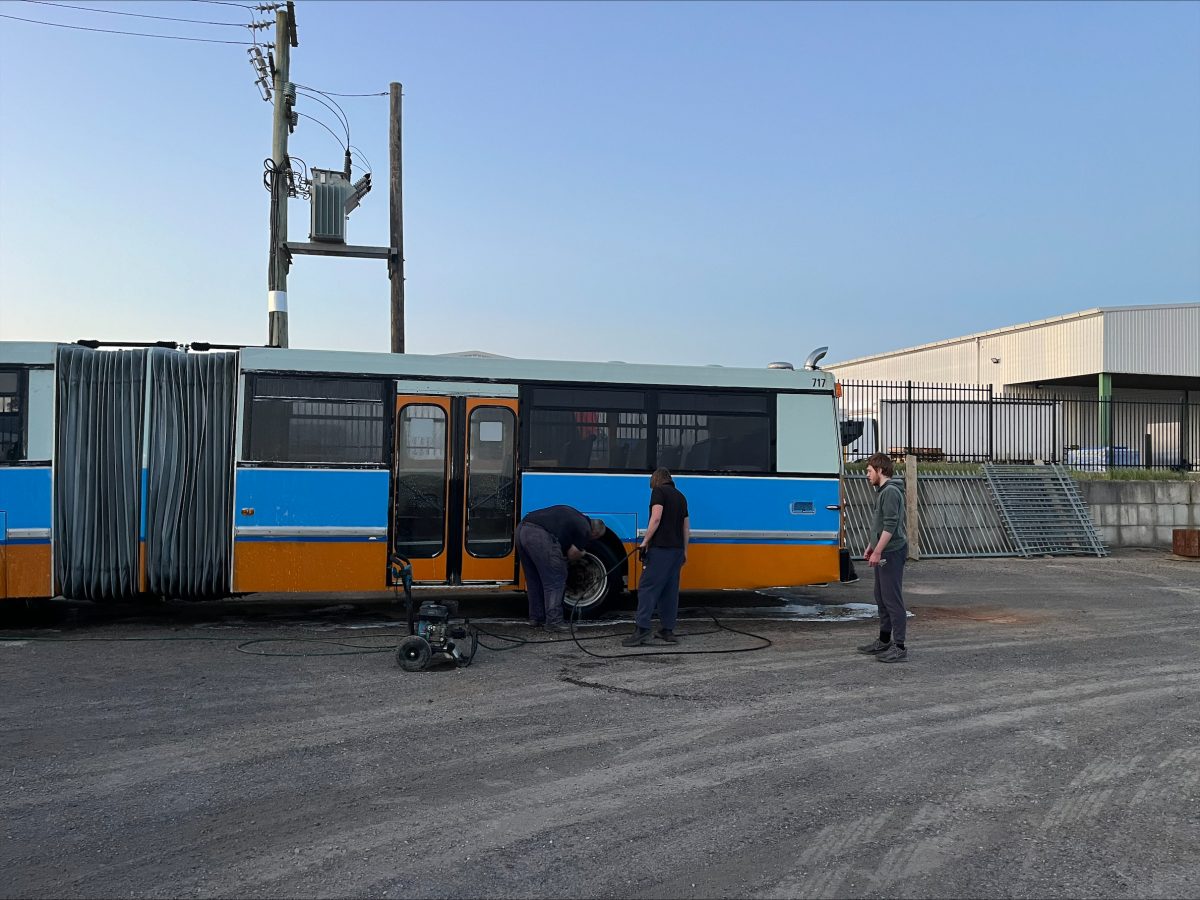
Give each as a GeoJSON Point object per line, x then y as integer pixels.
{"type": "Point", "coordinates": [956, 516]}
{"type": "Point", "coordinates": [975, 424]}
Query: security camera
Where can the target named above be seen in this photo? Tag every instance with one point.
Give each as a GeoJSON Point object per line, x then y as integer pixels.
{"type": "Point", "coordinates": [995, 359]}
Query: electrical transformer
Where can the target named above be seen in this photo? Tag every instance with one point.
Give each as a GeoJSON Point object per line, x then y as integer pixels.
{"type": "Point", "coordinates": [330, 191]}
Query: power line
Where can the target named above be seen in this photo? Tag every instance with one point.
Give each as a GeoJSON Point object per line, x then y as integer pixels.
{"type": "Point", "coordinates": [165, 37]}
{"type": "Point", "coordinates": [225, 3]}
{"type": "Point", "coordinates": [115, 12]}
{"type": "Point", "coordinates": [363, 157]}
{"type": "Point", "coordinates": [336, 94]}
{"type": "Point", "coordinates": [323, 125]}
{"type": "Point", "coordinates": [339, 112]}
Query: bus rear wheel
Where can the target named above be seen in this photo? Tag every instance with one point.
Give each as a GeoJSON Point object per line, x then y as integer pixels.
{"type": "Point", "coordinates": [589, 589]}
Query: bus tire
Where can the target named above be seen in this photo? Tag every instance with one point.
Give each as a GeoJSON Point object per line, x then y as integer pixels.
{"type": "Point", "coordinates": [588, 588]}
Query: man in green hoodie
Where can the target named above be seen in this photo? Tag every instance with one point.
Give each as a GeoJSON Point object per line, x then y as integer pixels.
{"type": "Point", "coordinates": [886, 553]}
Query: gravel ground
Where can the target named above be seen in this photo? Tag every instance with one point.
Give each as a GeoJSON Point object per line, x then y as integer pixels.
{"type": "Point", "coordinates": [1042, 741]}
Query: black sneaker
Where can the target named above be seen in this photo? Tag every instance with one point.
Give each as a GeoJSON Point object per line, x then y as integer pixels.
{"type": "Point", "coordinates": [640, 636]}
{"type": "Point", "coordinates": [557, 628]}
{"type": "Point", "coordinates": [893, 654]}
{"type": "Point", "coordinates": [668, 635]}
{"type": "Point", "coordinates": [876, 646]}
{"type": "Point", "coordinates": [536, 623]}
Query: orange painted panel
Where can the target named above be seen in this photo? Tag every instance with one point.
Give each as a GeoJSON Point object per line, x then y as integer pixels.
{"type": "Point", "coordinates": [716, 566]}
{"type": "Point", "coordinates": [310, 566]}
{"type": "Point", "coordinates": [27, 570]}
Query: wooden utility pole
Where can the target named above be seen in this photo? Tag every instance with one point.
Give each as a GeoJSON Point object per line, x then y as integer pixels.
{"type": "Point", "coordinates": [396, 193]}
{"type": "Point", "coordinates": [911, 497]}
{"type": "Point", "coordinates": [277, 265]}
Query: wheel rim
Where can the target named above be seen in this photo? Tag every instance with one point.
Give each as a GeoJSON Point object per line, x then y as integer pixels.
{"type": "Point", "coordinates": [586, 582]}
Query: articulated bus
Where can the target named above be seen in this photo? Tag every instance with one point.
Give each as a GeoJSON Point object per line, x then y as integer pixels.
{"type": "Point", "coordinates": [199, 473]}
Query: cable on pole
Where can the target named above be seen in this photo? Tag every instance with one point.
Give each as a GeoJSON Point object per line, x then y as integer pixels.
{"type": "Point", "coordinates": [166, 37]}
{"type": "Point", "coordinates": [363, 157]}
{"type": "Point", "coordinates": [323, 125]}
{"type": "Point", "coordinates": [336, 94]}
{"type": "Point", "coordinates": [115, 12]}
{"type": "Point", "coordinates": [339, 112]}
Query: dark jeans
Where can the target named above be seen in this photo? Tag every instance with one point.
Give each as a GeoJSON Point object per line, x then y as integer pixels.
{"type": "Point", "coordinates": [545, 570]}
{"type": "Point", "coordinates": [889, 597]}
{"type": "Point", "coordinates": [659, 587]}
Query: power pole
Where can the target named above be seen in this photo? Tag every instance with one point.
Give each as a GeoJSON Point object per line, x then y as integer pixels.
{"type": "Point", "coordinates": [396, 192]}
{"type": "Point", "coordinates": [279, 261]}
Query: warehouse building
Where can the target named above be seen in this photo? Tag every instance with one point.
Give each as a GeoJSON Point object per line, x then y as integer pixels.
{"type": "Point", "coordinates": [1128, 352]}
{"type": "Point", "coordinates": [1117, 386]}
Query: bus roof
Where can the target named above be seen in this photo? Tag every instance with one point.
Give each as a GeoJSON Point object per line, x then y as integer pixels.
{"type": "Point", "coordinates": [408, 365]}
{"type": "Point", "coordinates": [469, 368]}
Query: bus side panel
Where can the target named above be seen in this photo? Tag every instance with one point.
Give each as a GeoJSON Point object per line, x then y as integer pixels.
{"type": "Point", "coordinates": [747, 531]}
{"type": "Point", "coordinates": [750, 566]}
{"type": "Point", "coordinates": [26, 501]}
{"type": "Point", "coordinates": [310, 530]}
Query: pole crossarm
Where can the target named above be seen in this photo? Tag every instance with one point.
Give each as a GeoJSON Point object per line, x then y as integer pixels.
{"type": "Point", "coordinates": [356, 250]}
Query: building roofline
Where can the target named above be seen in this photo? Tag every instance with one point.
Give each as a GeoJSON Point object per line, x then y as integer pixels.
{"type": "Point", "coordinates": [1008, 329]}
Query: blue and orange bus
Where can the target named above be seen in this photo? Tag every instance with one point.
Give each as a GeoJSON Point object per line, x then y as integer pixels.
{"type": "Point", "coordinates": [200, 472]}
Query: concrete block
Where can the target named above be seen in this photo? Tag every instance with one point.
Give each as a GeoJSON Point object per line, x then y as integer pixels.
{"type": "Point", "coordinates": [1137, 492]}
{"type": "Point", "coordinates": [1099, 491]}
{"type": "Point", "coordinates": [1111, 535]}
{"type": "Point", "coordinates": [1196, 492]}
{"type": "Point", "coordinates": [1163, 536]}
{"type": "Point", "coordinates": [1128, 514]}
{"type": "Point", "coordinates": [1179, 515]}
{"type": "Point", "coordinates": [1147, 514]}
{"type": "Point", "coordinates": [1138, 536]}
{"type": "Point", "coordinates": [1172, 492]}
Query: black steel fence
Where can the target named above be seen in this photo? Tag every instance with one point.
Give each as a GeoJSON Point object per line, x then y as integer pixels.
{"type": "Point", "coordinates": [975, 424]}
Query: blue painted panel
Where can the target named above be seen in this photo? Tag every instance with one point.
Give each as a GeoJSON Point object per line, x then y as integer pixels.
{"type": "Point", "coordinates": [715, 503]}
{"type": "Point", "coordinates": [26, 496]}
{"type": "Point", "coordinates": [312, 497]}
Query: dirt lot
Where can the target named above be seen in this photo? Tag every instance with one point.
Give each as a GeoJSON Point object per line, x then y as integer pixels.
{"type": "Point", "coordinates": [1042, 741]}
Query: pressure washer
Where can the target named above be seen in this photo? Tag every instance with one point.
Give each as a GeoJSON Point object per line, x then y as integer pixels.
{"type": "Point", "coordinates": [432, 638]}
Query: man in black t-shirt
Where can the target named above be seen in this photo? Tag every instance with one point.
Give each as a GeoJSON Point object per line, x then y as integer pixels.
{"type": "Point", "coordinates": [665, 549]}
{"type": "Point", "coordinates": [547, 539]}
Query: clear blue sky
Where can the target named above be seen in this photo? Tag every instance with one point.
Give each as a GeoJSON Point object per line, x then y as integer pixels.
{"type": "Point", "coordinates": [676, 182]}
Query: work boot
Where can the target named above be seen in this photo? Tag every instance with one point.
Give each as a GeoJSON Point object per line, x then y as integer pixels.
{"type": "Point", "coordinates": [668, 635]}
{"type": "Point", "coordinates": [876, 646]}
{"type": "Point", "coordinates": [536, 623]}
{"type": "Point", "coordinates": [893, 654]}
{"type": "Point", "coordinates": [558, 628]}
{"type": "Point", "coordinates": [640, 636]}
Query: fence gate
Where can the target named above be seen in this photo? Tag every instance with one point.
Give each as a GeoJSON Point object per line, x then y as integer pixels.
{"type": "Point", "coordinates": [956, 513]}
{"type": "Point", "coordinates": [1007, 511]}
{"type": "Point", "coordinates": [1043, 511]}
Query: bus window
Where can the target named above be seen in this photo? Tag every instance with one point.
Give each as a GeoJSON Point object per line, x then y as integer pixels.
{"type": "Point", "coordinates": [420, 520]}
{"type": "Point", "coordinates": [588, 429]}
{"type": "Point", "coordinates": [714, 432]}
{"type": "Point", "coordinates": [12, 427]}
{"type": "Point", "coordinates": [491, 493]}
{"type": "Point", "coordinates": [304, 419]}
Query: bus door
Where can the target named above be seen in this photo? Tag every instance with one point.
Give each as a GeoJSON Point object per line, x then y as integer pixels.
{"type": "Point", "coordinates": [455, 483]}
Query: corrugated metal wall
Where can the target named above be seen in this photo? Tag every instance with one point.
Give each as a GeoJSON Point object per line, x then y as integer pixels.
{"type": "Point", "coordinates": [1154, 341]}
{"type": "Point", "coordinates": [1149, 341]}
